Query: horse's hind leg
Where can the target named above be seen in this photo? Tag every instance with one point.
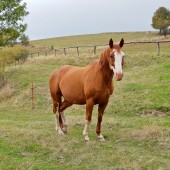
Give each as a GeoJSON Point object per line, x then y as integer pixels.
{"type": "Point", "coordinates": [58, 123]}
{"type": "Point", "coordinates": [62, 107]}
{"type": "Point", "coordinates": [64, 123]}
{"type": "Point", "coordinates": [89, 109]}
{"type": "Point", "coordinates": [55, 105]}
{"type": "Point", "coordinates": [58, 118]}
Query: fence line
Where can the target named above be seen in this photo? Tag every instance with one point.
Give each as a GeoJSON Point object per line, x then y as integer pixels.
{"type": "Point", "coordinates": [42, 87]}
{"type": "Point", "coordinates": [64, 49]}
{"type": "Point", "coordinates": [94, 47]}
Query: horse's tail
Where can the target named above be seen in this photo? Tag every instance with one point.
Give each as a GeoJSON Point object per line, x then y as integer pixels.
{"type": "Point", "coordinates": [60, 118]}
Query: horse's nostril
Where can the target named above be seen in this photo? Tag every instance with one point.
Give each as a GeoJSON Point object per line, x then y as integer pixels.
{"type": "Point", "coordinates": [119, 76]}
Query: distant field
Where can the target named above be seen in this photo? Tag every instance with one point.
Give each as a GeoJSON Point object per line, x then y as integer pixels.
{"type": "Point", "coordinates": [136, 123]}
{"type": "Point", "coordinates": [97, 39]}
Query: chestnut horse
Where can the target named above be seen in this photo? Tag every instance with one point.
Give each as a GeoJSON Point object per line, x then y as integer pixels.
{"type": "Point", "coordinates": [88, 85]}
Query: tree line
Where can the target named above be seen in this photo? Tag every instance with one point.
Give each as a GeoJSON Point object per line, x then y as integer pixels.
{"type": "Point", "coordinates": [161, 20]}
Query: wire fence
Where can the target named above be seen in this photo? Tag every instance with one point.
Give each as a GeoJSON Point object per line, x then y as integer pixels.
{"type": "Point", "coordinates": [94, 48]}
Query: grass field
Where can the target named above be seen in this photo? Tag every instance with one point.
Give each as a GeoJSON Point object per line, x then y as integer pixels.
{"type": "Point", "coordinates": [98, 39]}
{"type": "Point", "coordinates": [136, 123]}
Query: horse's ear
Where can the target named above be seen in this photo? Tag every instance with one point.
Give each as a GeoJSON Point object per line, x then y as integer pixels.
{"type": "Point", "coordinates": [111, 43]}
{"type": "Point", "coordinates": [121, 43]}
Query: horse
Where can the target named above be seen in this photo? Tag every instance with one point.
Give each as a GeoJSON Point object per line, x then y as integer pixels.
{"type": "Point", "coordinates": [88, 86]}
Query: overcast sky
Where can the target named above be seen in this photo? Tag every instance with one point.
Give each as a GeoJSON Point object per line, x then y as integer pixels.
{"type": "Point", "coordinates": [55, 18]}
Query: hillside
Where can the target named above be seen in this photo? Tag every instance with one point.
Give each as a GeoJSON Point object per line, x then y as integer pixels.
{"type": "Point", "coordinates": [97, 39]}
{"type": "Point", "coordinates": [136, 123]}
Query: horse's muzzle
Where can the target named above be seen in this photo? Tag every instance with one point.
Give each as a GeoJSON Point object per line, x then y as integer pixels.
{"type": "Point", "coordinates": [119, 76]}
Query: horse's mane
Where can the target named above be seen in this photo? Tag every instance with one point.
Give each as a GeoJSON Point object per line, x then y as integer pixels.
{"type": "Point", "coordinates": [103, 57]}
{"type": "Point", "coordinates": [104, 66]}
{"type": "Point", "coordinates": [101, 66]}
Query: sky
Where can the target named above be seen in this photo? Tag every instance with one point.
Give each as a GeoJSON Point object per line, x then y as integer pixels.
{"type": "Point", "coordinates": [57, 18]}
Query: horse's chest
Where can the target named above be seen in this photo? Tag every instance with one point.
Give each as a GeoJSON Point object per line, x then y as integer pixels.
{"type": "Point", "coordinates": [100, 93]}
{"type": "Point", "coordinates": [102, 96]}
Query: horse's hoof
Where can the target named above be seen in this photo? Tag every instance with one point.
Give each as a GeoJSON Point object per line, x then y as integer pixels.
{"type": "Point", "coordinates": [64, 129]}
{"type": "Point", "coordinates": [101, 139]}
{"type": "Point", "coordinates": [86, 138]}
{"type": "Point", "coordinates": [60, 132]}
{"type": "Point", "coordinates": [65, 132]}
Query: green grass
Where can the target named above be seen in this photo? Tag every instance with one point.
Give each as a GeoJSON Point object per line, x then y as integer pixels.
{"type": "Point", "coordinates": [136, 123]}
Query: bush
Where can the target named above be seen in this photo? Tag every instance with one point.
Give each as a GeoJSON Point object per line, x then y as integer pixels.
{"type": "Point", "coordinates": [20, 53]}
{"type": "Point", "coordinates": [16, 53]}
{"type": "Point", "coordinates": [10, 55]}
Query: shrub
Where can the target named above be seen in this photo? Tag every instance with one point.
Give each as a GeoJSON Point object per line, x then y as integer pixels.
{"type": "Point", "coordinates": [8, 56]}
{"type": "Point", "coordinates": [20, 53]}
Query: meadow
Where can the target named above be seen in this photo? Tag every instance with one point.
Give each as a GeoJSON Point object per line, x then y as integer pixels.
{"type": "Point", "coordinates": [136, 123]}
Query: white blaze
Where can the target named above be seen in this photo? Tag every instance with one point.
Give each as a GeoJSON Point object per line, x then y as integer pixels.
{"type": "Point", "coordinates": [118, 62]}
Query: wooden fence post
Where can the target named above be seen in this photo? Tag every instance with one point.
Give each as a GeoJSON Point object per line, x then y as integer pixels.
{"type": "Point", "coordinates": [33, 96]}
{"type": "Point", "coordinates": [77, 50]}
{"type": "Point", "coordinates": [158, 48]}
{"type": "Point", "coordinates": [55, 52]}
{"type": "Point", "coordinates": [94, 49]}
{"type": "Point", "coordinates": [65, 51]}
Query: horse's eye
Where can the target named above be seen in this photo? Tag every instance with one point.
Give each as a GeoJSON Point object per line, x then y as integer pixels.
{"type": "Point", "coordinates": [112, 56]}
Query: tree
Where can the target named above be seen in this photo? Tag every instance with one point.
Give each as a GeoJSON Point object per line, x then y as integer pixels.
{"type": "Point", "coordinates": [12, 13]}
{"type": "Point", "coordinates": [24, 39]}
{"type": "Point", "coordinates": [161, 20]}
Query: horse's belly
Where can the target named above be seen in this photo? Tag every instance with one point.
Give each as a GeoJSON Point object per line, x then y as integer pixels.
{"type": "Point", "coordinates": [74, 97]}
{"type": "Point", "coordinates": [72, 88]}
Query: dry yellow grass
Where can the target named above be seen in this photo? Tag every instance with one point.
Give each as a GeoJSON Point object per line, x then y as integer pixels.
{"type": "Point", "coordinates": [6, 91]}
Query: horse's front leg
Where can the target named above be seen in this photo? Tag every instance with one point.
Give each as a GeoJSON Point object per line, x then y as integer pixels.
{"type": "Point", "coordinates": [101, 109]}
{"type": "Point", "coordinates": [89, 110]}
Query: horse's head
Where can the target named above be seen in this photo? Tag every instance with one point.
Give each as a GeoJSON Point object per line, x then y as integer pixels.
{"type": "Point", "coordinates": [116, 58]}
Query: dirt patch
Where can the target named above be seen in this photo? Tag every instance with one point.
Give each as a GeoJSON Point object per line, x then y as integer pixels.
{"type": "Point", "coordinates": [153, 132]}
{"type": "Point", "coordinates": [164, 111]}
